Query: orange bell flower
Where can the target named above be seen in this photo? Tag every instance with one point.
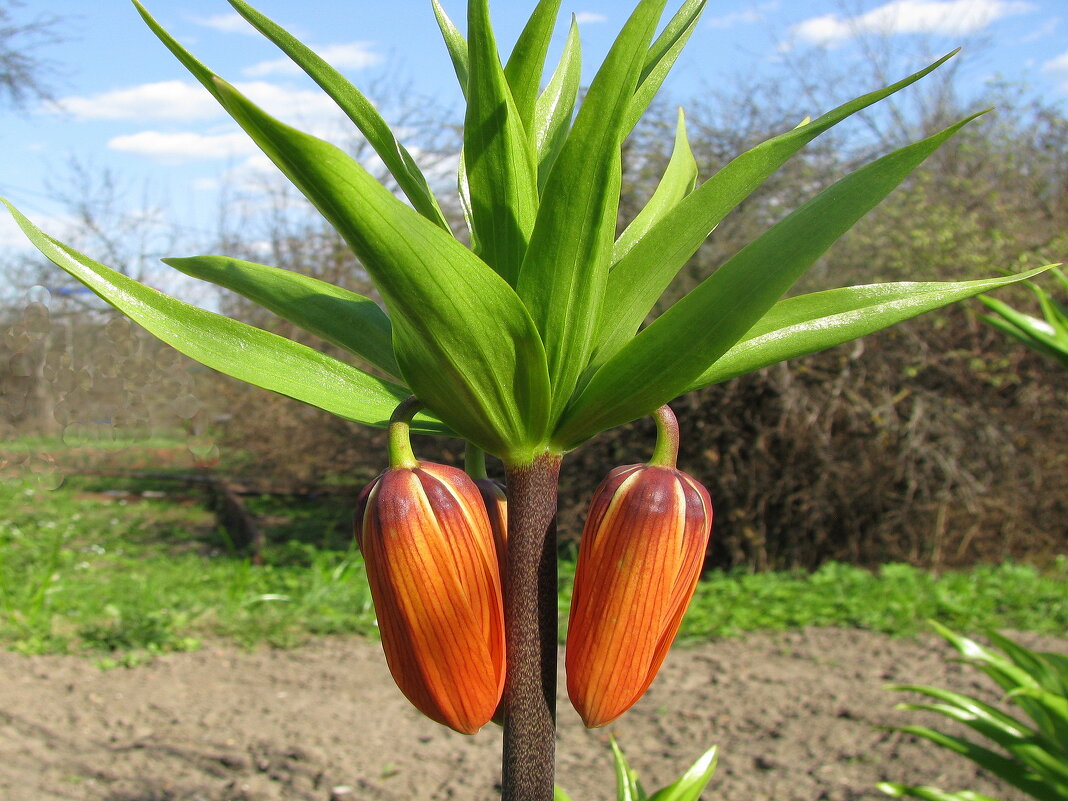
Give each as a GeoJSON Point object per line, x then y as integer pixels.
{"type": "Point", "coordinates": [432, 567]}
{"type": "Point", "coordinates": [639, 561]}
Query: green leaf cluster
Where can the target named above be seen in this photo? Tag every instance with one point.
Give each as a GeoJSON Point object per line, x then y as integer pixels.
{"type": "Point", "coordinates": [1030, 752]}
{"type": "Point", "coordinates": [1049, 335]}
{"type": "Point", "coordinates": [534, 337]}
{"type": "Point", "coordinates": [687, 787]}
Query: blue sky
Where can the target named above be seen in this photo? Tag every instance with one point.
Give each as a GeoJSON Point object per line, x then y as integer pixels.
{"type": "Point", "coordinates": [126, 104]}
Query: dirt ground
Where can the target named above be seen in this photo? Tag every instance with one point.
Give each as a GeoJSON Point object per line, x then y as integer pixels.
{"type": "Point", "coordinates": [796, 716]}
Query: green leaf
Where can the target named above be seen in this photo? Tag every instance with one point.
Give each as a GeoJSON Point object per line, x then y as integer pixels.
{"type": "Point", "coordinates": [1048, 336]}
{"type": "Point", "coordinates": [233, 348]}
{"type": "Point", "coordinates": [337, 315]}
{"type": "Point", "coordinates": [527, 61]}
{"type": "Point", "coordinates": [1007, 675]}
{"type": "Point", "coordinates": [556, 105]}
{"type": "Point", "coordinates": [809, 323]}
{"type": "Point", "coordinates": [498, 155]}
{"type": "Point", "coordinates": [678, 181]}
{"type": "Point", "coordinates": [627, 787]}
{"type": "Point", "coordinates": [1004, 768]}
{"type": "Point", "coordinates": [692, 783]}
{"type": "Point", "coordinates": [929, 793]}
{"type": "Point", "coordinates": [559, 794]}
{"type": "Point", "coordinates": [563, 276]}
{"type": "Point", "coordinates": [640, 278]}
{"type": "Point", "coordinates": [1036, 665]}
{"type": "Point", "coordinates": [661, 58]}
{"type": "Point", "coordinates": [454, 43]}
{"type": "Point", "coordinates": [677, 348]}
{"type": "Point", "coordinates": [968, 706]}
{"type": "Point", "coordinates": [359, 109]}
{"type": "Point", "coordinates": [1050, 711]}
{"type": "Point", "coordinates": [1023, 336]}
{"type": "Point", "coordinates": [464, 342]}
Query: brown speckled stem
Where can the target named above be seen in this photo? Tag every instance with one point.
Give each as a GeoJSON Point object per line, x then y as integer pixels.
{"type": "Point", "coordinates": [530, 593]}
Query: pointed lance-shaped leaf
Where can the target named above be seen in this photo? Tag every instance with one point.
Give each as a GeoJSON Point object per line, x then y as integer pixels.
{"type": "Point", "coordinates": [563, 276]}
{"type": "Point", "coordinates": [817, 321]}
{"type": "Point", "coordinates": [498, 155]}
{"type": "Point", "coordinates": [639, 279]}
{"type": "Point", "coordinates": [527, 61]}
{"type": "Point", "coordinates": [358, 108]}
{"type": "Point", "coordinates": [693, 782]}
{"type": "Point", "coordinates": [337, 315]}
{"type": "Point", "coordinates": [464, 342]}
{"type": "Point", "coordinates": [627, 786]}
{"type": "Point", "coordinates": [454, 43]}
{"type": "Point", "coordinates": [556, 105]}
{"type": "Point", "coordinates": [671, 354]}
{"type": "Point", "coordinates": [678, 181]}
{"type": "Point", "coordinates": [925, 793]}
{"type": "Point", "coordinates": [236, 349]}
{"type": "Point", "coordinates": [661, 58]}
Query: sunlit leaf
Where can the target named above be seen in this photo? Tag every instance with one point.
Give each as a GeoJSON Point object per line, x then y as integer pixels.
{"type": "Point", "coordinates": [627, 787]}
{"type": "Point", "coordinates": [639, 279]}
{"type": "Point", "coordinates": [556, 105]}
{"type": "Point", "coordinates": [693, 782]}
{"type": "Point", "coordinates": [358, 108]}
{"type": "Point", "coordinates": [929, 793]}
{"type": "Point", "coordinates": [661, 58]}
{"type": "Point", "coordinates": [344, 318]}
{"type": "Point", "coordinates": [457, 326]}
{"type": "Point", "coordinates": [563, 276]}
{"type": "Point", "coordinates": [676, 349]}
{"type": "Point", "coordinates": [678, 181]}
{"type": "Point", "coordinates": [234, 348]}
{"type": "Point", "coordinates": [527, 61]}
{"type": "Point", "coordinates": [454, 43]}
{"type": "Point", "coordinates": [809, 323]}
{"type": "Point", "coordinates": [498, 155]}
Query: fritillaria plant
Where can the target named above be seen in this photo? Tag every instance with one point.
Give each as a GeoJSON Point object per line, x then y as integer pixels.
{"type": "Point", "coordinates": [526, 344]}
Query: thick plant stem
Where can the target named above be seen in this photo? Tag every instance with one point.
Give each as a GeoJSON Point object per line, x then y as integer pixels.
{"type": "Point", "coordinates": [530, 587]}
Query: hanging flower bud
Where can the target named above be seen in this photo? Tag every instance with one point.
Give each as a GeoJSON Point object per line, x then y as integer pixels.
{"type": "Point", "coordinates": [432, 566]}
{"type": "Point", "coordinates": [639, 560]}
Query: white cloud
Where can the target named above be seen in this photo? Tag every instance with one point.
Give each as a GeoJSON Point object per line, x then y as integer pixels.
{"type": "Point", "coordinates": [946, 17]}
{"type": "Point", "coordinates": [177, 100]}
{"type": "Point", "coordinates": [747, 16]}
{"type": "Point", "coordinates": [584, 17]}
{"type": "Point", "coordinates": [184, 146]}
{"type": "Point", "coordinates": [162, 100]}
{"type": "Point", "coordinates": [227, 23]}
{"type": "Point", "coordinates": [1058, 64]}
{"type": "Point", "coordinates": [350, 56]}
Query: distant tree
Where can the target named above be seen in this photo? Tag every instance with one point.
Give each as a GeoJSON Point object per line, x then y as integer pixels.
{"type": "Point", "coordinates": [24, 75]}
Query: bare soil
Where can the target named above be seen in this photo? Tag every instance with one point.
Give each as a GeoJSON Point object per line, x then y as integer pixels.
{"type": "Point", "coordinates": [796, 716]}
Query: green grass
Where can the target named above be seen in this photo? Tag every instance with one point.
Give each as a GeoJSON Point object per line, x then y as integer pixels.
{"type": "Point", "coordinates": [127, 578]}
{"type": "Point", "coordinates": [79, 572]}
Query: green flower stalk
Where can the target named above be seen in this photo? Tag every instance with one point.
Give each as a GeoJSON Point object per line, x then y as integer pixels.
{"type": "Point", "coordinates": [533, 339]}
